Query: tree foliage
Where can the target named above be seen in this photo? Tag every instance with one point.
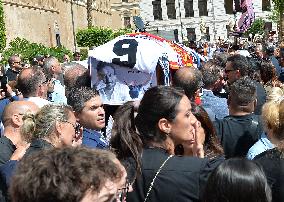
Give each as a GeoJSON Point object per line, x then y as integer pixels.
{"type": "Point", "coordinates": [257, 27]}
{"type": "Point", "coordinates": [2, 29]}
{"type": "Point", "coordinates": [97, 36]}
{"type": "Point", "coordinates": [28, 50]}
{"type": "Point", "coordinates": [278, 5]}
{"type": "Point", "coordinates": [279, 8]}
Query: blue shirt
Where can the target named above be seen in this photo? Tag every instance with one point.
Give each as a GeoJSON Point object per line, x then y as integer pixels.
{"type": "Point", "coordinates": [260, 146]}
{"type": "Point", "coordinates": [214, 104]}
{"type": "Point", "coordinates": [94, 139]}
{"type": "Point", "coordinates": [58, 94]}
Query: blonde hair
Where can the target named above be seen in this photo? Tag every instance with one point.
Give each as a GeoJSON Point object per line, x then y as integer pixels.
{"type": "Point", "coordinates": [273, 115]}
{"type": "Point", "coordinates": [274, 94]}
{"type": "Point", "coordinates": [42, 124]}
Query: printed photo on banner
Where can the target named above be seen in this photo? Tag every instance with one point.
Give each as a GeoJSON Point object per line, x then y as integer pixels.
{"type": "Point", "coordinates": [116, 84]}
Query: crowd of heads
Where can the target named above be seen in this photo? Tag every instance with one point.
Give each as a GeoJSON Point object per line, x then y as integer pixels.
{"type": "Point", "coordinates": [167, 117]}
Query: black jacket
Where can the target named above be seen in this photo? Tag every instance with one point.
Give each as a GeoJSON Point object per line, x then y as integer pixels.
{"type": "Point", "coordinates": [181, 179]}
{"type": "Point", "coordinates": [38, 145]}
{"type": "Point", "coordinates": [238, 133]}
{"type": "Point", "coordinates": [272, 162]}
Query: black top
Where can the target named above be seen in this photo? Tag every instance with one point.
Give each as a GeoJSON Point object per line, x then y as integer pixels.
{"type": "Point", "coordinates": [181, 179]}
{"type": "Point", "coordinates": [7, 148]}
{"type": "Point", "coordinates": [261, 98]}
{"type": "Point", "coordinates": [11, 74]}
{"type": "Point", "coordinates": [238, 133]}
{"type": "Point", "coordinates": [272, 162]}
{"type": "Point", "coordinates": [38, 145]}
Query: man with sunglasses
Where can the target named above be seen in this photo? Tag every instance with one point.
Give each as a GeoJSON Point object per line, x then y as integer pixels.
{"type": "Point", "coordinates": [15, 67]}
{"type": "Point", "coordinates": [237, 67]}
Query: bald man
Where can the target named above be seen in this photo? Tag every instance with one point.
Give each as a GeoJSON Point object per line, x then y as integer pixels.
{"type": "Point", "coordinates": [189, 79]}
{"type": "Point", "coordinates": [76, 75]}
{"type": "Point", "coordinates": [12, 142]}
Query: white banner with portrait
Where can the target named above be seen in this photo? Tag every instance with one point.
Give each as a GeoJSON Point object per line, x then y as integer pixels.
{"type": "Point", "coordinates": [117, 84]}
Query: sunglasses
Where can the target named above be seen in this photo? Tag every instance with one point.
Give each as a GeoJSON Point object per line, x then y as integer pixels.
{"type": "Point", "coordinates": [76, 127]}
{"type": "Point", "coordinates": [229, 70]}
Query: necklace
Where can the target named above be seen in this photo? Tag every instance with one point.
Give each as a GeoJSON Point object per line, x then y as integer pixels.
{"type": "Point", "coordinates": [157, 173]}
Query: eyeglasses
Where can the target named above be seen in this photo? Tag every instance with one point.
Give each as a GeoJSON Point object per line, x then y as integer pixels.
{"type": "Point", "coordinates": [229, 70]}
{"type": "Point", "coordinates": [122, 192]}
{"type": "Point", "coordinates": [76, 126]}
{"type": "Point", "coordinates": [17, 62]}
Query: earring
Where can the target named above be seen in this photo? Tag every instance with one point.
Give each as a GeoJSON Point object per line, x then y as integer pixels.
{"type": "Point", "coordinates": [59, 139]}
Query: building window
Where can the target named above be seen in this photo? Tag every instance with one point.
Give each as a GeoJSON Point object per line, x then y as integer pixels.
{"type": "Point", "coordinates": [266, 5]}
{"type": "Point", "coordinates": [127, 23]}
{"type": "Point", "coordinates": [202, 6]}
{"type": "Point", "coordinates": [207, 34]}
{"type": "Point", "coordinates": [188, 7]}
{"type": "Point", "coordinates": [191, 36]}
{"type": "Point", "coordinates": [157, 10]}
{"type": "Point", "coordinates": [171, 9]}
{"type": "Point", "coordinates": [126, 1]}
{"type": "Point", "coordinates": [229, 6]}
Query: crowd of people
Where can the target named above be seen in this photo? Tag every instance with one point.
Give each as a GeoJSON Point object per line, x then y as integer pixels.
{"type": "Point", "coordinates": [215, 134]}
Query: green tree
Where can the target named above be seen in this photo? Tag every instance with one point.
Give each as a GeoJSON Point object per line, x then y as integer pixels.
{"type": "Point", "coordinates": [257, 27]}
{"type": "Point", "coordinates": [96, 36]}
{"type": "Point", "coordinates": [28, 50]}
{"type": "Point", "coordinates": [2, 29]}
{"type": "Point", "coordinates": [279, 8]}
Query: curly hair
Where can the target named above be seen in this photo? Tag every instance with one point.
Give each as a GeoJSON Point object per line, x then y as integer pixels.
{"type": "Point", "coordinates": [77, 97]}
{"type": "Point", "coordinates": [61, 175]}
{"type": "Point", "coordinates": [243, 91]}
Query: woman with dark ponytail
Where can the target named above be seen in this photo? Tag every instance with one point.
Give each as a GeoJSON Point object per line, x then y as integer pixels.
{"type": "Point", "coordinates": [164, 120]}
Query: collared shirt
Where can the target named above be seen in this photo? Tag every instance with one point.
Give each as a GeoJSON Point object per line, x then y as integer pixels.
{"type": "Point", "coordinates": [40, 102]}
{"type": "Point", "coordinates": [94, 139]}
{"type": "Point", "coordinates": [212, 103]}
{"type": "Point", "coordinates": [58, 94]}
{"type": "Point", "coordinates": [260, 146]}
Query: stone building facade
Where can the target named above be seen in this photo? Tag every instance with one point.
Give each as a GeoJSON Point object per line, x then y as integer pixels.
{"type": "Point", "coordinates": [185, 18]}
{"type": "Point", "coordinates": [47, 21]}
{"type": "Point", "coordinates": [123, 12]}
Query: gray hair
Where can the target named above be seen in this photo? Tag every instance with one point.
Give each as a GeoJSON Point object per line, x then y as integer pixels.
{"type": "Point", "coordinates": [42, 124]}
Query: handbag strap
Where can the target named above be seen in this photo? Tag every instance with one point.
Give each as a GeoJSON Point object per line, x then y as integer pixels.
{"type": "Point", "coordinates": [157, 173]}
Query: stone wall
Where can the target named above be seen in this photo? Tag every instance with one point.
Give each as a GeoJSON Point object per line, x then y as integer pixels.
{"type": "Point", "coordinates": [40, 20]}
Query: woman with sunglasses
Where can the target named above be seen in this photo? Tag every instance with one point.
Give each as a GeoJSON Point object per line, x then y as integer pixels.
{"type": "Point", "coordinates": [53, 126]}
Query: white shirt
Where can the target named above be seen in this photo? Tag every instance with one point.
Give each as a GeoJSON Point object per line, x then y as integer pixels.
{"type": "Point", "coordinates": [40, 102]}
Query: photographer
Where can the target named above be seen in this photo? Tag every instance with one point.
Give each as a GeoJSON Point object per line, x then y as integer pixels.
{"type": "Point", "coordinates": [7, 95]}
